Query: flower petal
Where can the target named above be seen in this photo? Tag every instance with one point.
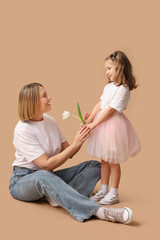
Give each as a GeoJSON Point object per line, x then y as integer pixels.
{"type": "Point", "coordinates": [65, 115]}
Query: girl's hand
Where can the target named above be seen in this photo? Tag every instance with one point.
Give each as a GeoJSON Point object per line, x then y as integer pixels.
{"type": "Point", "coordinates": [86, 116]}
{"type": "Point", "coordinates": [81, 135]}
{"type": "Point", "coordinates": [91, 125]}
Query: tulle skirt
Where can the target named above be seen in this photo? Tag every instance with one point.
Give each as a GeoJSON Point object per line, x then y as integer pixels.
{"type": "Point", "coordinates": [114, 140]}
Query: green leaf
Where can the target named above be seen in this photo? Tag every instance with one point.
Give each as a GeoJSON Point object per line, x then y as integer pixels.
{"type": "Point", "coordinates": [79, 113]}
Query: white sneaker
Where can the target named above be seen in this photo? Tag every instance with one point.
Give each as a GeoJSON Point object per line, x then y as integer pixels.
{"type": "Point", "coordinates": [98, 196]}
{"type": "Point", "coordinates": [121, 215]}
{"type": "Point", "coordinates": [109, 198]}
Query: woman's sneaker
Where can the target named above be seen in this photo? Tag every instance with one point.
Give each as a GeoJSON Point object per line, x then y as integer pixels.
{"type": "Point", "coordinates": [121, 215]}
{"type": "Point", "coordinates": [109, 199]}
{"type": "Point", "coordinates": [98, 195]}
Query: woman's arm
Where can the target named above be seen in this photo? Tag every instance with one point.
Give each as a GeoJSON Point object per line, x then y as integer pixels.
{"type": "Point", "coordinates": [95, 110]}
{"type": "Point", "coordinates": [51, 163]}
{"type": "Point", "coordinates": [66, 145]}
{"type": "Point", "coordinates": [104, 116]}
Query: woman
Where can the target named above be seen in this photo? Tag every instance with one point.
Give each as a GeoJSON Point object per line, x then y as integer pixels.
{"type": "Point", "coordinates": [40, 149]}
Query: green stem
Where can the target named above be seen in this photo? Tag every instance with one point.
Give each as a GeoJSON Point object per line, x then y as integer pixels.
{"type": "Point", "coordinates": [77, 117]}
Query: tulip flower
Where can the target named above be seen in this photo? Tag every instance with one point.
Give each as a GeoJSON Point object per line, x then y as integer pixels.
{"type": "Point", "coordinates": [67, 114]}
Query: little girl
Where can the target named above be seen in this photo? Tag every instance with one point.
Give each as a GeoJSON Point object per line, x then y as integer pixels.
{"type": "Point", "coordinates": [113, 137]}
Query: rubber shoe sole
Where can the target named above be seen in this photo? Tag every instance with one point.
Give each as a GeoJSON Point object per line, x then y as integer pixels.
{"type": "Point", "coordinates": [128, 215]}
{"type": "Point", "coordinates": [108, 203]}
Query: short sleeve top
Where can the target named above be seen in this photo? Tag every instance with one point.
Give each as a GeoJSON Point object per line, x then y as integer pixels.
{"type": "Point", "coordinates": [32, 139]}
{"type": "Point", "coordinates": [114, 96]}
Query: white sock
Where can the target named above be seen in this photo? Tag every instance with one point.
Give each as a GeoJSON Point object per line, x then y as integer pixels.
{"type": "Point", "coordinates": [104, 188]}
{"type": "Point", "coordinates": [100, 213]}
{"type": "Point", "coordinates": [114, 191]}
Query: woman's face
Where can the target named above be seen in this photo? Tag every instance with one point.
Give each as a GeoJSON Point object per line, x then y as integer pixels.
{"type": "Point", "coordinates": [110, 70]}
{"type": "Point", "coordinates": [45, 104]}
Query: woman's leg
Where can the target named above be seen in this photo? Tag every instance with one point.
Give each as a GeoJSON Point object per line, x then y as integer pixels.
{"type": "Point", "coordinates": [27, 185]}
{"type": "Point", "coordinates": [82, 177]}
{"type": "Point", "coordinates": [41, 183]}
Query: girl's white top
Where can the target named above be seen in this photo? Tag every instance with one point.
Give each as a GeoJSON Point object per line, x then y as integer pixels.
{"type": "Point", "coordinates": [114, 96]}
{"type": "Point", "coordinates": [32, 139]}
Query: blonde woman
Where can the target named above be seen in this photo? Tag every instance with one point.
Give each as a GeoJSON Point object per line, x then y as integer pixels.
{"type": "Point", "coordinates": [40, 149]}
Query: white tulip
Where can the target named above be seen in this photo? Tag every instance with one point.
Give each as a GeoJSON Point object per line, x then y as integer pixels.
{"type": "Point", "coordinates": [65, 115]}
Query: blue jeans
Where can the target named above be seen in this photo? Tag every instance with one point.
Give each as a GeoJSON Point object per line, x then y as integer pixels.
{"type": "Point", "coordinates": [69, 188]}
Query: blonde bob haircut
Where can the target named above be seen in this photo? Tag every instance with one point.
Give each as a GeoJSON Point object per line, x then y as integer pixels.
{"type": "Point", "coordinates": [124, 72]}
{"type": "Point", "coordinates": [28, 102]}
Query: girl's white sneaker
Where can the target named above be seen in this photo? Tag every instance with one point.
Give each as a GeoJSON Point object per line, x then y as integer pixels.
{"type": "Point", "coordinates": [98, 195]}
{"type": "Point", "coordinates": [109, 199]}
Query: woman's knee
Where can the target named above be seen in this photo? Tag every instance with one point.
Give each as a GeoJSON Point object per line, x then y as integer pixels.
{"type": "Point", "coordinates": [43, 174]}
{"type": "Point", "coordinates": [95, 163]}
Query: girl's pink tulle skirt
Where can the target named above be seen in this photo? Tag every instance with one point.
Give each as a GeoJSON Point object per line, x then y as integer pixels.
{"type": "Point", "coordinates": [114, 140]}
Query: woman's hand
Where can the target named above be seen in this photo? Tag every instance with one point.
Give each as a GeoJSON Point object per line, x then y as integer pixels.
{"type": "Point", "coordinates": [81, 136]}
{"type": "Point", "coordinates": [49, 164]}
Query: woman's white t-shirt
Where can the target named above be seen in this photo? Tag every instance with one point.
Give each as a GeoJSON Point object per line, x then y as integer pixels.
{"type": "Point", "coordinates": [115, 96]}
{"type": "Point", "coordinates": [32, 139]}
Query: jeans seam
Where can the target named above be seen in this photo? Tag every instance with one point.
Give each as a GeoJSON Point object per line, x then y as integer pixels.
{"type": "Point", "coordinates": [51, 190]}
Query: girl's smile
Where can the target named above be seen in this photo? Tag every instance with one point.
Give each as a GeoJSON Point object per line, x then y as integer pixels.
{"type": "Point", "coordinates": [110, 70]}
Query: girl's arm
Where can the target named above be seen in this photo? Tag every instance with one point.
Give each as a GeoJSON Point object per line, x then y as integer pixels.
{"type": "Point", "coordinates": [104, 116]}
{"type": "Point", "coordinates": [95, 110]}
{"type": "Point", "coordinates": [49, 164]}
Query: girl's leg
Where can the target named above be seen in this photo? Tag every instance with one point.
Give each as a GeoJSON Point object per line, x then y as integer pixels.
{"type": "Point", "coordinates": [105, 172]}
{"type": "Point", "coordinates": [115, 175]}
{"type": "Point", "coordinates": [112, 196]}
{"type": "Point", "coordinates": [105, 175]}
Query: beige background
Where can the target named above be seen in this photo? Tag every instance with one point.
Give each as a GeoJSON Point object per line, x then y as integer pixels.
{"type": "Point", "coordinates": [63, 44]}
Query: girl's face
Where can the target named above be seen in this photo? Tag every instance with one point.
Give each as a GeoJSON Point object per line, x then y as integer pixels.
{"type": "Point", "coordinates": [110, 70]}
{"type": "Point", "coordinates": [45, 104]}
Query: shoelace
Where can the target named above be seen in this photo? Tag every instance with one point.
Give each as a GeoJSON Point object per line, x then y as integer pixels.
{"type": "Point", "coordinates": [113, 215]}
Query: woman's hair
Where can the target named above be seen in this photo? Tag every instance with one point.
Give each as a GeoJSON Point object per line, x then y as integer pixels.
{"type": "Point", "coordinates": [124, 70]}
{"type": "Point", "coordinates": [28, 101]}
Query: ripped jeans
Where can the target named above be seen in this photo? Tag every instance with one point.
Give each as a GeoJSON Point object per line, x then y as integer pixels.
{"type": "Point", "coordinates": [69, 188]}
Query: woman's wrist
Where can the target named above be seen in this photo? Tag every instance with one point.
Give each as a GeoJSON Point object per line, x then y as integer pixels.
{"type": "Point", "coordinates": [76, 145]}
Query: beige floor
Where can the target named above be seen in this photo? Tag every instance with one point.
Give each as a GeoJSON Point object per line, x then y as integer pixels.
{"type": "Point", "coordinates": [63, 44]}
{"type": "Point", "coordinates": [21, 220]}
